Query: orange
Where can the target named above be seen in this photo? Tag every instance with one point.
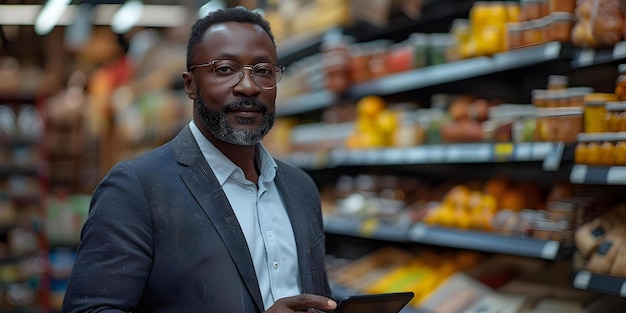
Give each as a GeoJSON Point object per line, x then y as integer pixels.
{"type": "Point", "coordinates": [513, 199]}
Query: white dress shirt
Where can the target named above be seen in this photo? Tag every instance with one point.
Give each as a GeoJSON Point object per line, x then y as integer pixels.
{"type": "Point", "coordinates": [263, 219]}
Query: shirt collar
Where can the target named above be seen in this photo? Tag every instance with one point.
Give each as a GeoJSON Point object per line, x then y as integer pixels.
{"type": "Point", "coordinates": [223, 167]}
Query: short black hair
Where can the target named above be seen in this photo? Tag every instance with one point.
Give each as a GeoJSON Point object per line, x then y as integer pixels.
{"type": "Point", "coordinates": [236, 14]}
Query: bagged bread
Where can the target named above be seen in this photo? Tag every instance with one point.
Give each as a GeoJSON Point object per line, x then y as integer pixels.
{"type": "Point", "coordinates": [618, 268]}
{"type": "Point", "coordinates": [602, 259]}
{"type": "Point", "coordinates": [589, 236]}
{"type": "Point", "coordinates": [600, 23]}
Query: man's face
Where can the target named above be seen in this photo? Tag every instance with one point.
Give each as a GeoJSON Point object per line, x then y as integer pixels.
{"type": "Point", "coordinates": [242, 114]}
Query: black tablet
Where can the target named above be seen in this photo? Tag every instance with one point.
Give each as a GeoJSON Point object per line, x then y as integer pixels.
{"type": "Point", "coordinates": [374, 303]}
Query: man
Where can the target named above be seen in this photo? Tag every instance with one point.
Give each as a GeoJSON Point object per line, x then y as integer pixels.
{"type": "Point", "coordinates": [209, 222]}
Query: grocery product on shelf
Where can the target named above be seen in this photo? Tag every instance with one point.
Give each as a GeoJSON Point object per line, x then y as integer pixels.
{"type": "Point", "coordinates": [599, 23]}
{"type": "Point", "coordinates": [600, 243]}
{"type": "Point", "coordinates": [558, 124]}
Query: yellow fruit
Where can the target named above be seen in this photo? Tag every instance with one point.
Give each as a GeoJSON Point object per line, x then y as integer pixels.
{"type": "Point", "coordinates": [366, 124]}
{"type": "Point", "coordinates": [387, 121]}
{"type": "Point", "coordinates": [458, 196]}
{"type": "Point", "coordinates": [370, 106]}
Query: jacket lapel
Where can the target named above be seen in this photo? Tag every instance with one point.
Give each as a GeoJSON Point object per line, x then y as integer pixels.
{"type": "Point", "coordinates": [204, 186]}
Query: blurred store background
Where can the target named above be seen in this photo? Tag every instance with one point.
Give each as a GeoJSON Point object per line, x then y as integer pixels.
{"type": "Point", "coordinates": [473, 152]}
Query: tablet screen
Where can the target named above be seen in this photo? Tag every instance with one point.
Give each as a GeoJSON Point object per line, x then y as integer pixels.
{"type": "Point", "coordinates": [374, 303]}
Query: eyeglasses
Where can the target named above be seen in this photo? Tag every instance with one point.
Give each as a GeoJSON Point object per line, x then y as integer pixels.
{"type": "Point", "coordinates": [229, 73]}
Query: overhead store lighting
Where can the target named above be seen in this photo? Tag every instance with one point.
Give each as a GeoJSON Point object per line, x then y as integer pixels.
{"type": "Point", "coordinates": [49, 15]}
{"type": "Point", "coordinates": [127, 16]}
{"type": "Point", "coordinates": [152, 15]}
{"type": "Point", "coordinates": [211, 5]}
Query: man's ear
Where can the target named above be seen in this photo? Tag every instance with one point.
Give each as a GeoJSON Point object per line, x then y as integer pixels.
{"type": "Point", "coordinates": [190, 85]}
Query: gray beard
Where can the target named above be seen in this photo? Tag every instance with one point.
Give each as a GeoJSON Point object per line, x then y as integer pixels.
{"type": "Point", "coordinates": [216, 122]}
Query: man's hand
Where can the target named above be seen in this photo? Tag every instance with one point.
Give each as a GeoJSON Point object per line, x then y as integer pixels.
{"type": "Point", "coordinates": [303, 303]}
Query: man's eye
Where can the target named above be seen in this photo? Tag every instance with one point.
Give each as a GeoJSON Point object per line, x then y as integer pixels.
{"type": "Point", "coordinates": [224, 69]}
{"type": "Point", "coordinates": [263, 70]}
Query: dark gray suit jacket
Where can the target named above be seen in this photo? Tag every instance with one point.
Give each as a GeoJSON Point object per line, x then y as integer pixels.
{"type": "Point", "coordinates": [161, 236]}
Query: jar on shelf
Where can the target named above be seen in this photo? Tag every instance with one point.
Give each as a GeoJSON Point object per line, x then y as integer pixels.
{"type": "Point", "coordinates": [378, 58]}
{"type": "Point", "coordinates": [557, 82]}
{"type": "Point", "coordinates": [558, 124]}
{"type": "Point", "coordinates": [539, 98]}
{"type": "Point", "coordinates": [359, 62]}
{"type": "Point", "coordinates": [514, 35]}
{"type": "Point", "coordinates": [577, 95]}
{"type": "Point", "coordinates": [479, 17]}
{"type": "Point", "coordinates": [336, 61]}
{"type": "Point", "coordinates": [620, 83]}
{"type": "Point", "coordinates": [593, 154]}
{"type": "Point", "coordinates": [607, 153]}
{"type": "Point", "coordinates": [420, 48]}
{"type": "Point", "coordinates": [531, 9]}
{"type": "Point", "coordinates": [512, 11]}
{"type": "Point", "coordinates": [620, 153]}
{"type": "Point", "coordinates": [594, 116]}
{"type": "Point", "coordinates": [580, 153]}
{"type": "Point", "coordinates": [615, 118]}
{"type": "Point", "coordinates": [562, 6]}
{"type": "Point", "coordinates": [534, 32]}
{"type": "Point", "coordinates": [400, 58]}
{"type": "Point", "coordinates": [560, 26]}
{"type": "Point", "coordinates": [557, 98]}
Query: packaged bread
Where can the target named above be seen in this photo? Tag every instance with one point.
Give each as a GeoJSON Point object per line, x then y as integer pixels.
{"type": "Point", "coordinates": [603, 257]}
{"type": "Point", "coordinates": [589, 236]}
{"type": "Point", "coordinates": [618, 268]}
{"type": "Point", "coordinates": [599, 23]}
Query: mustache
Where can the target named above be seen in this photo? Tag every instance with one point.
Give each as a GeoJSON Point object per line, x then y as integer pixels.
{"type": "Point", "coordinates": [246, 102]}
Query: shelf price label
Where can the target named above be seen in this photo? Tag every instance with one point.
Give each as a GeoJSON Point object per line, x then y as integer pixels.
{"type": "Point", "coordinates": [418, 232]}
{"type": "Point", "coordinates": [582, 279]}
{"type": "Point", "coordinates": [503, 151]}
{"type": "Point", "coordinates": [586, 57]}
{"type": "Point", "coordinates": [369, 227]}
{"type": "Point", "coordinates": [552, 50]}
{"type": "Point", "coordinates": [578, 174]}
{"type": "Point", "coordinates": [550, 250]}
{"type": "Point", "coordinates": [619, 50]}
{"type": "Point", "coordinates": [616, 175]}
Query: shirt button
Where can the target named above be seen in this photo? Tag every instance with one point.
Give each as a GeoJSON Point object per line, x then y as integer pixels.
{"type": "Point", "coordinates": [270, 234]}
{"type": "Point", "coordinates": [275, 265]}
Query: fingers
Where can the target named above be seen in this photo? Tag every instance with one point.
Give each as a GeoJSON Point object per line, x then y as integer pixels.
{"type": "Point", "coordinates": [308, 303]}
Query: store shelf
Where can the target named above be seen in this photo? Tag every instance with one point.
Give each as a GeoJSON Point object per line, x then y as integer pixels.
{"type": "Point", "coordinates": [444, 237]}
{"type": "Point", "coordinates": [372, 228]}
{"type": "Point", "coordinates": [436, 16]}
{"type": "Point", "coordinates": [598, 175]}
{"type": "Point", "coordinates": [589, 57]}
{"type": "Point", "coordinates": [429, 76]}
{"type": "Point", "coordinates": [605, 284]}
{"type": "Point", "coordinates": [599, 137]}
{"type": "Point", "coordinates": [305, 103]}
{"type": "Point", "coordinates": [486, 242]}
{"type": "Point", "coordinates": [459, 70]}
{"type": "Point", "coordinates": [427, 154]}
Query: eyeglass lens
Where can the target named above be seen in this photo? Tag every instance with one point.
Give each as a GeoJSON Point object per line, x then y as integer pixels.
{"type": "Point", "coordinates": [265, 75]}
